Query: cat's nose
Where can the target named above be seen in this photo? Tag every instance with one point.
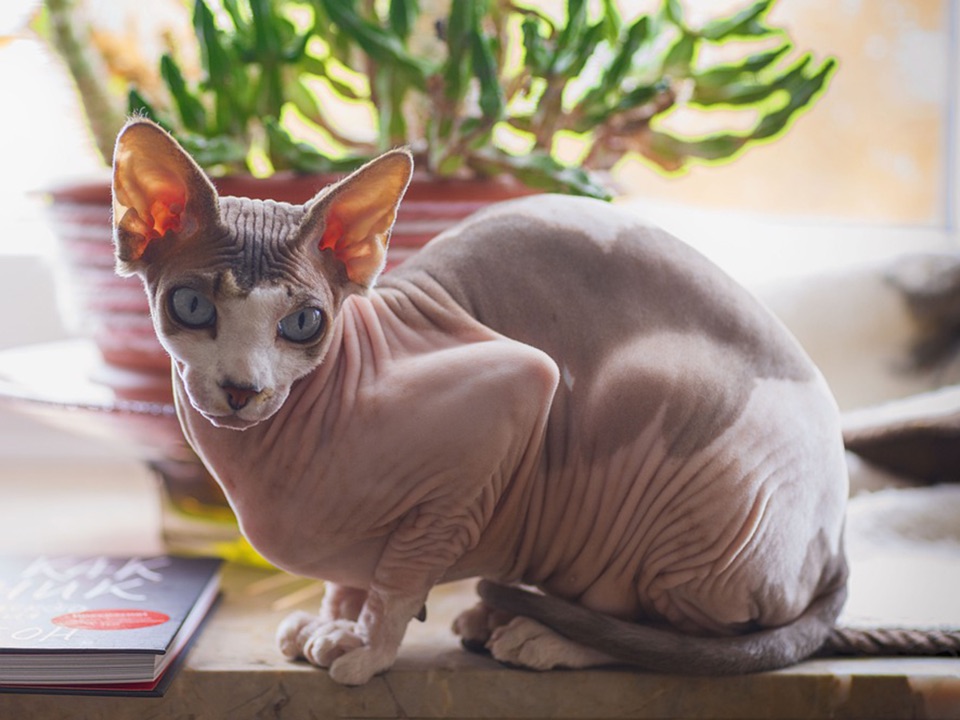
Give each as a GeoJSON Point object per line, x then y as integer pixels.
{"type": "Point", "coordinates": [239, 395]}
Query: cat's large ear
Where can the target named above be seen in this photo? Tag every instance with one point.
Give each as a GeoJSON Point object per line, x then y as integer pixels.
{"type": "Point", "coordinates": [354, 218]}
{"type": "Point", "coordinates": [158, 192]}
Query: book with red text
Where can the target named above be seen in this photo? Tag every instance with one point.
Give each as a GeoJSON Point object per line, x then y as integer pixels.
{"type": "Point", "coordinates": [98, 623]}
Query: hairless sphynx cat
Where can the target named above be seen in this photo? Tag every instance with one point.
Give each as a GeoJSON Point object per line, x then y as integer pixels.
{"type": "Point", "coordinates": [551, 393]}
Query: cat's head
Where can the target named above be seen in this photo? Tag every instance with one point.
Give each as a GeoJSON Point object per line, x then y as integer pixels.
{"type": "Point", "coordinates": [244, 293]}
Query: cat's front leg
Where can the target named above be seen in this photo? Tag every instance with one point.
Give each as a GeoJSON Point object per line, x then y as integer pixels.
{"type": "Point", "coordinates": [428, 542]}
{"type": "Point", "coordinates": [341, 602]}
{"type": "Point", "coordinates": [369, 646]}
{"type": "Point", "coordinates": [299, 633]}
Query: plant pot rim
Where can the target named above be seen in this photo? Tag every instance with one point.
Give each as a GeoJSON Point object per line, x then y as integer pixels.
{"type": "Point", "coordinates": [300, 187]}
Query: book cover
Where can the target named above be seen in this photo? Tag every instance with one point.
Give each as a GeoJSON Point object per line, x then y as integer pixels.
{"type": "Point", "coordinates": [111, 623]}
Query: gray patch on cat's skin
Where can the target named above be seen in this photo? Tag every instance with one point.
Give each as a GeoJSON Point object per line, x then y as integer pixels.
{"type": "Point", "coordinates": [227, 284]}
{"type": "Point", "coordinates": [666, 287]}
{"type": "Point", "coordinates": [259, 239]}
{"type": "Point", "coordinates": [267, 243]}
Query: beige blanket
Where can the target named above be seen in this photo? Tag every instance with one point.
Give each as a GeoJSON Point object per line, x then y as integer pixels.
{"type": "Point", "coordinates": [903, 534]}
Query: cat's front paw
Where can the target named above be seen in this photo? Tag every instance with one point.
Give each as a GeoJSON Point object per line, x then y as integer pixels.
{"type": "Point", "coordinates": [290, 631]}
{"type": "Point", "coordinates": [319, 642]}
{"type": "Point", "coordinates": [358, 666]}
{"type": "Point", "coordinates": [330, 642]}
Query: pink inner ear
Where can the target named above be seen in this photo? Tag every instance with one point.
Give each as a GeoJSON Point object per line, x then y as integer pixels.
{"type": "Point", "coordinates": [332, 232]}
{"type": "Point", "coordinates": [165, 213]}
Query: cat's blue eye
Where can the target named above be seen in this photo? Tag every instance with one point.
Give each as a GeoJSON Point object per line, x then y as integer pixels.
{"type": "Point", "coordinates": [301, 326]}
{"type": "Point", "coordinates": [192, 309]}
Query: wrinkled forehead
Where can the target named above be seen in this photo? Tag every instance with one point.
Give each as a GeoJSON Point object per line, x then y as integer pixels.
{"type": "Point", "coordinates": [259, 243]}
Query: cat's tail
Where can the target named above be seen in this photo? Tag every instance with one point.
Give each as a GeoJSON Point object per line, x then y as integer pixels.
{"type": "Point", "coordinates": [670, 651]}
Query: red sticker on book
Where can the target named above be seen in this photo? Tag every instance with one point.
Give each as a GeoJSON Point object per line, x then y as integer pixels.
{"type": "Point", "coordinates": [122, 619]}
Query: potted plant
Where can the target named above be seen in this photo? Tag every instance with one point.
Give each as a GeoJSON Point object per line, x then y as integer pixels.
{"type": "Point", "coordinates": [478, 89]}
{"type": "Point", "coordinates": [275, 98]}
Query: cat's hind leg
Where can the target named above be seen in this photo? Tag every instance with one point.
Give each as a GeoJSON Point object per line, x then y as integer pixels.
{"type": "Point", "coordinates": [526, 643]}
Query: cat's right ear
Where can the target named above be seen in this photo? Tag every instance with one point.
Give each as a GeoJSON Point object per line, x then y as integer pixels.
{"type": "Point", "coordinates": [160, 195]}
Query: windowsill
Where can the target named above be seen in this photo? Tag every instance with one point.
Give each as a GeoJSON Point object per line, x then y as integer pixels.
{"type": "Point", "coordinates": [761, 251]}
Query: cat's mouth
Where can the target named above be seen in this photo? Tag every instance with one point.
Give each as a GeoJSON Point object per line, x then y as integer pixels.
{"type": "Point", "coordinates": [231, 411]}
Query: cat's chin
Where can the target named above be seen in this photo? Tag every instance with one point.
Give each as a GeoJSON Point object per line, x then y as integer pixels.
{"type": "Point", "coordinates": [231, 422]}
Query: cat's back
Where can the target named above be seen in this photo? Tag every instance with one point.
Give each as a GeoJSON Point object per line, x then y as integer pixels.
{"type": "Point", "coordinates": [534, 250]}
{"type": "Point", "coordinates": [672, 377]}
{"type": "Point", "coordinates": [578, 277]}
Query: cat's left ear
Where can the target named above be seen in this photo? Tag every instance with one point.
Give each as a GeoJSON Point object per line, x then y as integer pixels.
{"type": "Point", "coordinates": [158, 192]}
{"type": "Point", "coordinates": [354, 218]}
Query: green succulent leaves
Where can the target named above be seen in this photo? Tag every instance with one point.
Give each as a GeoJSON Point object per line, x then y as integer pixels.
{"type": "Point", "coordinates": [482, 88]}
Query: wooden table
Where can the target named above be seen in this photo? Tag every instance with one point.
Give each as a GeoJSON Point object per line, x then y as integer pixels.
{"type": "Point", "coordinates": [235, 671]}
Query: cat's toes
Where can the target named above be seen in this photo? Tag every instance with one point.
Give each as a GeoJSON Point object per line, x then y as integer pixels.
{"type": "Point", "coordinates": [359, 666]}
{"type": "Point", "coordinates": [474, 626]}
{"type": "Point", "coordinates": [289, 633]}
{"type": "Point", "coordinates": [325, 644]}
{"type": "Point", "coordinates": [523, 642]}
{"type": "Point", "coordinates": [471, 625]}
{"type": "Point", "coordinates": [529, 644]}
{"type": "Point", "coordinates": [338, 645]}
{"type": "Point", "coordinates": [319, 642]}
